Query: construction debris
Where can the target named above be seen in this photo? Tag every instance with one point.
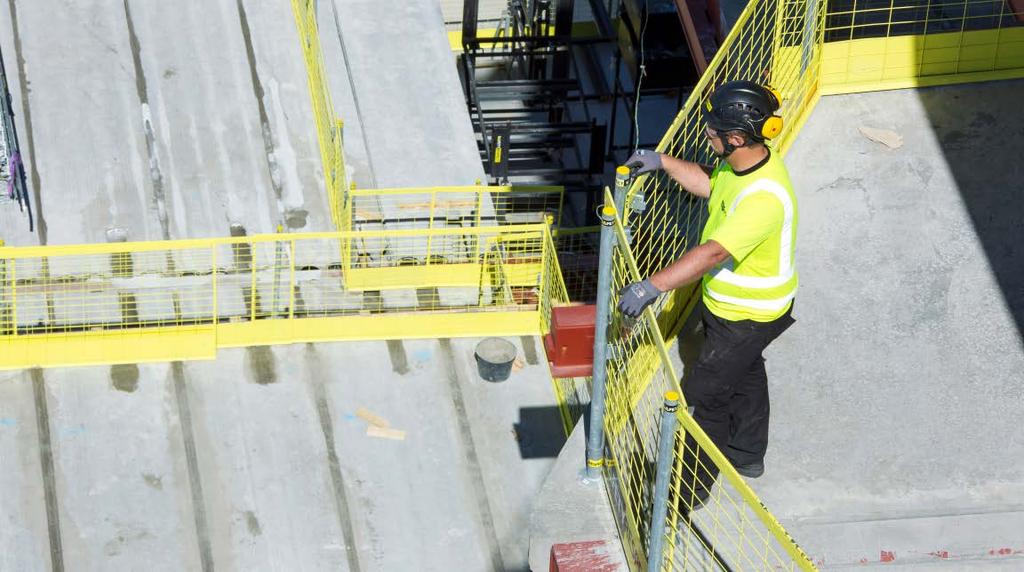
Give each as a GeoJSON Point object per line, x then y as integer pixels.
{"type": "Point", "coordinates": [886, 137]}
{"type": "Point", "coordinates": [372, 418]}
{"type": "Point", "coordinates": [385, 433]}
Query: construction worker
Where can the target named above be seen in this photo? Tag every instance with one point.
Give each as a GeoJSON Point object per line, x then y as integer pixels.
{"type": "Point", "coordinates": [745, 262]}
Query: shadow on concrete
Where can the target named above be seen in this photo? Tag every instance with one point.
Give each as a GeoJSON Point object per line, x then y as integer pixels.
{"type": "Point", "coordinates": [980, 130]}
{"type": "Point", "coordinates": [539, 432]}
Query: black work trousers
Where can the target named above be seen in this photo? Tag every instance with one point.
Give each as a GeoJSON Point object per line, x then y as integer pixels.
{"type": "Point", "coordinates": [728, 391]}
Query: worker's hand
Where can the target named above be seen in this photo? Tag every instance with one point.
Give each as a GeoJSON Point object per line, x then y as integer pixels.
{"type": "Point", "coordinates": [644, 161]}
{"type": "Point", "coordinates": [637, 296]}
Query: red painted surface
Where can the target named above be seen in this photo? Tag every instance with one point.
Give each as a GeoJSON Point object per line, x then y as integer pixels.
{"type": "Point", "coordinates": [887, 556]}
{"type": "Point", "coordinates": [1001, 552]}
{"type": "Point", "coordinates": [570, 345]}
{"type": "Point", "coordinates": [590, 556]}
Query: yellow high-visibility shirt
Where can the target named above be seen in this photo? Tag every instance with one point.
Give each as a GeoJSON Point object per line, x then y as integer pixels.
{"type": "Point", "coordinates": [753, 215]}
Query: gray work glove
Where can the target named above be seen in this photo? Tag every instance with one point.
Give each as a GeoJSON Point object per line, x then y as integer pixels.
{"type": "Point", "coordinates": [637, 296]}
{"type": "Point", "coordinates": [644, 161]}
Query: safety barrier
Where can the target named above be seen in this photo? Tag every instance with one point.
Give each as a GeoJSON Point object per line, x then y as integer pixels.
{"type": "Point", "coordinates": [328, 126]}
{"type": "Point", "coordinates": [733, 530]}
{"type": "Point", "coordinates": [875, 44]}
{"type": "Point", "coordinates": [459, 206]}
{"type": "Point", "coordinates": [156, 301]}
{"type": "Point", "coordinates": [578, 253]}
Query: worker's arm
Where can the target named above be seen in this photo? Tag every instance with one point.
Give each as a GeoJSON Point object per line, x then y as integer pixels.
{"type": "Point", "coordinates": [688, 268]}
{"type": "Point", "coordinates": [693, 177]}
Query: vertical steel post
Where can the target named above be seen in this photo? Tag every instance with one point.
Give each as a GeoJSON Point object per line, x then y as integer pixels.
{"type": "Point", "coordinates": [666, 448]}
{"type": "Point", "coordinates": [595, 435]}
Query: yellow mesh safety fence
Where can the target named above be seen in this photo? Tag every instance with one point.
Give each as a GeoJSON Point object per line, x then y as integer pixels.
{"type": "Point", "coordinates": [328, 125]}
{"type": "Point", "coordinates": [876, 44]}
{"type": "Point", "coordinates": [437, 207]}
{"type": "Point", "coordinates": [257, 290]}
{"type": "Point", "coordinates": [578, 254]}
{"type": "Point", "coordinates": [731, 529]}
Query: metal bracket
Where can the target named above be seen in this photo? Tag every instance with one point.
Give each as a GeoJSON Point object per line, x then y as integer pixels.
{"type": "Point", "coordinates": [639, 203]}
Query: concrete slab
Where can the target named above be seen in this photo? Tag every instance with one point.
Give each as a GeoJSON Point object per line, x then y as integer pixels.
{"type": "Point", "coordinates": [123, 494]}
{"type": "Point", "coordinates": [456, 491]}
{"type": "Point", "coordinates": [894, 415]}
{"type": "Point", "coordinates": [206, 129]}
{"type": "Point", "coordinates": [289, 110]}
{"type": "Point", "coordinates": [23, 526]}
{"type": "Point", "coordinates": [410, 108]}
{"type": "Point", "coordinates": [169, 122]}
{"type": "Point", "coordinates": [90, 162]}
{"type": "Point", "coordinates": [263, 463]}
{"type": "Point", "coordinates": [13, 221]}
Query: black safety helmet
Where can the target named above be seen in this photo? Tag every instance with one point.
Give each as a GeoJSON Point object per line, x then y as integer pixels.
{"type": "Point", "coordinates": [744, 106]}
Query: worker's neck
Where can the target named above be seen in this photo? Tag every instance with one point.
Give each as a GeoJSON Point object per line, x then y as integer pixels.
{"type": "Point", "coordinates": [745, 158]}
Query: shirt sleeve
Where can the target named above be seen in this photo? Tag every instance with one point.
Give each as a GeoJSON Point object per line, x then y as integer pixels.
{"type": "Point", "coordinates": [754, 220]}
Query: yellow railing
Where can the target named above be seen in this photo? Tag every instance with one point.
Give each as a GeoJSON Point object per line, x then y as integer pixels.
{"type": "Point", "coordinates": [885, 45]}
{"type": "Point", "coordinates": [459, 206]}
{"type": "Point", "coordinates": [328, 124]}
{"type": "Point", "coordinates": [156, 301]}
{"type": "Point", "coordinates": [732, 530]}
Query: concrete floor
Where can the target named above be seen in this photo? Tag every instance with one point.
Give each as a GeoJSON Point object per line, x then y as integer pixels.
{"type": "Point", "coordinates": [896, 396]}
{"type": "Point", "coordinates": [255, 461]}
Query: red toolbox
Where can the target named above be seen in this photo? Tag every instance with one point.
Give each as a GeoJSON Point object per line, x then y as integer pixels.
{"type": "Point", "coordinates": [570, 344]}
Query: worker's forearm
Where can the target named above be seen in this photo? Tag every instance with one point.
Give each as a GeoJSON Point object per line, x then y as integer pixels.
{"type": "Point", "coordinates": [690, 267]}
{"type": "Point", "coordinates": [693, 178]}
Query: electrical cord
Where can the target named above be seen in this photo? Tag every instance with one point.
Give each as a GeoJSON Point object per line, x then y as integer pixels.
{"type": "Point", "coordinates": [640, 79]}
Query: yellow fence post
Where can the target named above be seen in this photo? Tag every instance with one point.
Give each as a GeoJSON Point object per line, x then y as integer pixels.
{"type": "Point", "coordinates": [14, 297]}
{"type": "Point", "coordinates": [291, 281]}
{"type": "Point", "coordinates": [252, 268]}
{"type": "Point", "coordinates": [213, 276]}
{"type": "Point", "coordinates": [430, 224]}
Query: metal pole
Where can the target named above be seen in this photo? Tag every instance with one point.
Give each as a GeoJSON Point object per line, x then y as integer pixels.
{"type": "Point", "coordinates": [595, 436]}
{"type": "Point", "coordinates": [666, 448]}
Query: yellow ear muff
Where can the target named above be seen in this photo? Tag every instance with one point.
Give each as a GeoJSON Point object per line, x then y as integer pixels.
{"type": "Point", "coordinates": [772, 127]}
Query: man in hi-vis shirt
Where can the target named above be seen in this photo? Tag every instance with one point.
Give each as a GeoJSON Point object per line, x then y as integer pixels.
{"type": "Point", "coordinates": [745, 263]}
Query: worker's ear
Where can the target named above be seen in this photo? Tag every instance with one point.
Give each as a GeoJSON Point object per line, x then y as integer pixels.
{"type": "Point", "coordinates": [737, 139]}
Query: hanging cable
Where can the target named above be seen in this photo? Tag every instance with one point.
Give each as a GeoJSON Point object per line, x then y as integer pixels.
{"type": "Point", "coordinates": [640, 80]}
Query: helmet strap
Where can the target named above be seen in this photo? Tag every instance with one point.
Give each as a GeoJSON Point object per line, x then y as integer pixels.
{"type": "Point", "coordinates": [729, 148]}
